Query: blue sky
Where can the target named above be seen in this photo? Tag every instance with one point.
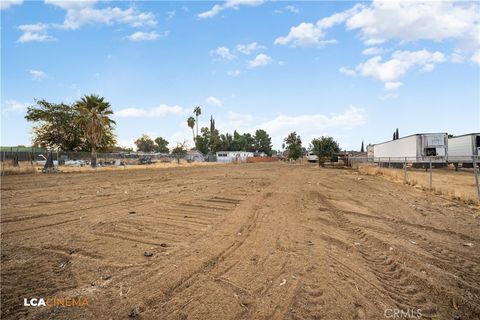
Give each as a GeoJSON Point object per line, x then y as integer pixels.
{"type": "Point", "coordinates": [355, 71]}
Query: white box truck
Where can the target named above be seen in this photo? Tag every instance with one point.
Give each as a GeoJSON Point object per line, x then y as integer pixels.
{"type": "Point", "coordinates": [418, 149]}
{"type": "Point", "coordinates": [462, 149]}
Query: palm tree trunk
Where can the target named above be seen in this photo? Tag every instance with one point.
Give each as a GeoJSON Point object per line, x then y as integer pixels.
{"type": "Point", "coordinates": [197, 124]}
{"type": "Point", "coordinates": [193, 134]}
{"type": "Point", "coordinates": [93, 157]}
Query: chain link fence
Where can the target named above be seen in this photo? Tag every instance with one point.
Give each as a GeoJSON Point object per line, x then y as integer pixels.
{"type": "Point", "coordinates": [456, 176]}
{"type": "Point", "coordinates": [26, 160]}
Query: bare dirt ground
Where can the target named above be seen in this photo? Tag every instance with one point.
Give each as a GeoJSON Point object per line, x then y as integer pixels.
{"type": "Point", "coordinates": [253, 241]}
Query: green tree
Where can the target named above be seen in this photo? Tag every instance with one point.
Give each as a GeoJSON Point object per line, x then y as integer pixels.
{"type": "Point", "coordinates": [226, 142]}
{"type": "Point", "coordinates": [263, 142]}
{"type": "Point", "coordinates": [249, 142]}
{"type": "Point", "coordinates": [56, 126]}
{"type": "Point", "coordinates": [94, 118]}
{"type": "Point", "coordinates": [324, 147]}
{"type": "Point", "coordinates": [214, 141]}
{"type": "Point", "coordinates": [293, 145]}
{"type": "Point", "coordinates": [362, 149]}
{"type": "Point", "coordinates": [145, 144]}
{"type": "Point", "coordinates": [202, 141]}
{"type": "Point", "coordinates": [161, 145]}
{"type": "Point", "coordinates": [191, 124]}
{"type": "Point", "coordinates": [238, 141]}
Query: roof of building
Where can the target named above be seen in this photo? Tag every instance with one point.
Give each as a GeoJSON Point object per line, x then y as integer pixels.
{"type": "Point", "coordinates": [416, 134]}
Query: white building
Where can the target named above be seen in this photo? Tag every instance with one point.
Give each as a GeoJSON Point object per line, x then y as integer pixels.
{"type": "Point", "coordinates": [233, 156]}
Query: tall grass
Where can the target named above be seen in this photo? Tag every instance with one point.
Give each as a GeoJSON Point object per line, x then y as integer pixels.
{"type": "Point", "coordinates": [24, 167]}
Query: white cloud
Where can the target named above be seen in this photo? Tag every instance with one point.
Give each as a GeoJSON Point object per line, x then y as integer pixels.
{"type": "Point", "coordinates": [83, 12]}
{"type": "Point", "coordinates": [428, 67]}
{"type": "Point", "coordinates": [229, 4]}
{"type": "Point", "coordinates": [37, 74]}
{"type": "Point", "coordinates": [170, 15]}
{"type": "Point", "coordinates": [372, 51]}
{"type": "Point", "coordinates": [224, 53]}
{"type": "Point", "coordinates": [389, 96]}
{"type": "Point", "coordinates": [5, 4]}
{"type": "Point", "coordinates": [143, 36]}
{"type": "Point", "coordinates": [305, 34]}
{"type": "Point", "coordinates": [234, 73]}
{"type": "Point", "coordinates": [476, 57]}
{"type": "Point", "coordinates": [14, 106]}
{"type": "Point", "coordinates": [400, 63]}
{"type": "Point", "coordinates": [412, 20]}
{"type": "Point", "coordinates": [458, 56]}
{"type": "Point", "coordinates": [70, 4]}
{"type": "Point", "coordinates": [242, 122]}
{"type": "Point", "coordinates": [212, 101]}
{"type": "Point", "coordinates": [34, 32]}
{"type": "Point", "coordinates": [249, 48]}
{"type": "Point", "coordinates": [260, 60]}
{"type": "Point", "coordinates": [309, 34]}
{"type": "Point", "coordinates": [393, 85]}
{"type": "Point", "coordinates": [404, 21]}
{"type": "Point", "coordinates": [352, 117]}
{"type": "Point", "coordinates": [347, 71]}
{"type": "Point", "coordinates": [292, 9]}
{"type": "Point", "coordinates": [160, 111]}
{"type": "Point", "coordinates": [307, 126]}
{"type": "Point", "coordinates": [75, 18]}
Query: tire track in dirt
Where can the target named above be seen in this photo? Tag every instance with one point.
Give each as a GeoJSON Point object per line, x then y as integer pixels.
{"type": "Point", "coordinates": [405, 288]}
{"type": "Point", "coordinates": [397, 281]}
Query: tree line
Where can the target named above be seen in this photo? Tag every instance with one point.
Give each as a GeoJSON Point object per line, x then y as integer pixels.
{"type": "Point", "coordinates": [210, 140]}
{"type": "Point", "coordinates": [86, 125]}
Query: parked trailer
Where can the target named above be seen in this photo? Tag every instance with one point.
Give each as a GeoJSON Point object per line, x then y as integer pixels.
{"type": "Point", "coordinates": [462, 149]}
{"type": "Point", "coordinates": [419, 149]}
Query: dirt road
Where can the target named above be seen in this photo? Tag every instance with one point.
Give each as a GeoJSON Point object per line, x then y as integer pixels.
{"type": "Point", "coordinates": [254, 241]}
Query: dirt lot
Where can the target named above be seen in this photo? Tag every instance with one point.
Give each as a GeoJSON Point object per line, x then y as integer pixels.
{"type": "Point", "coordinates": [251, 241]}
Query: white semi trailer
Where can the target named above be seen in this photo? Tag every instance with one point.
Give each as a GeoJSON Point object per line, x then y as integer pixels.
{"type": "Point", "coordinates": [462, 149]}
{"type": "Point", "coordinates": [418, 149]}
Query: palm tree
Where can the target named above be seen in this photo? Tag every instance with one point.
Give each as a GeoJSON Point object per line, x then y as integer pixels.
{"type": "Point", "coordinates": [191, 124]}
{"type": "Point", "coordinates": [94, 118]}
{"type": "Point", "coordinates": [197, 111]}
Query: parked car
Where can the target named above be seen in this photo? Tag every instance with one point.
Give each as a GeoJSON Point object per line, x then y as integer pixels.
{"type": "Point", "coordinates": [44, 160]}
{"type": "Point", "coordinates": [75, 163]}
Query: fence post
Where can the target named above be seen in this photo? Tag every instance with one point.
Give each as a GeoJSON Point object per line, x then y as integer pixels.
{"type": "Point", "coordinates": [475, 172]}
{"type": "Point", "coordinates": [430, 172]}
{"type": "Point", "coordinates": [405, 170]}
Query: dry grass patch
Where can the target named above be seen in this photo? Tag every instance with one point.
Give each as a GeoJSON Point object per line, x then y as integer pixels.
{"type": "Point", "coordinates": [456, 185]}
{"type": "Point", "coordinates": [24, 167]}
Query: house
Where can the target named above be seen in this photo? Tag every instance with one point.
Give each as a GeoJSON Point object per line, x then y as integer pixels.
{"type": "Point", "coordinates": [233, 156]}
